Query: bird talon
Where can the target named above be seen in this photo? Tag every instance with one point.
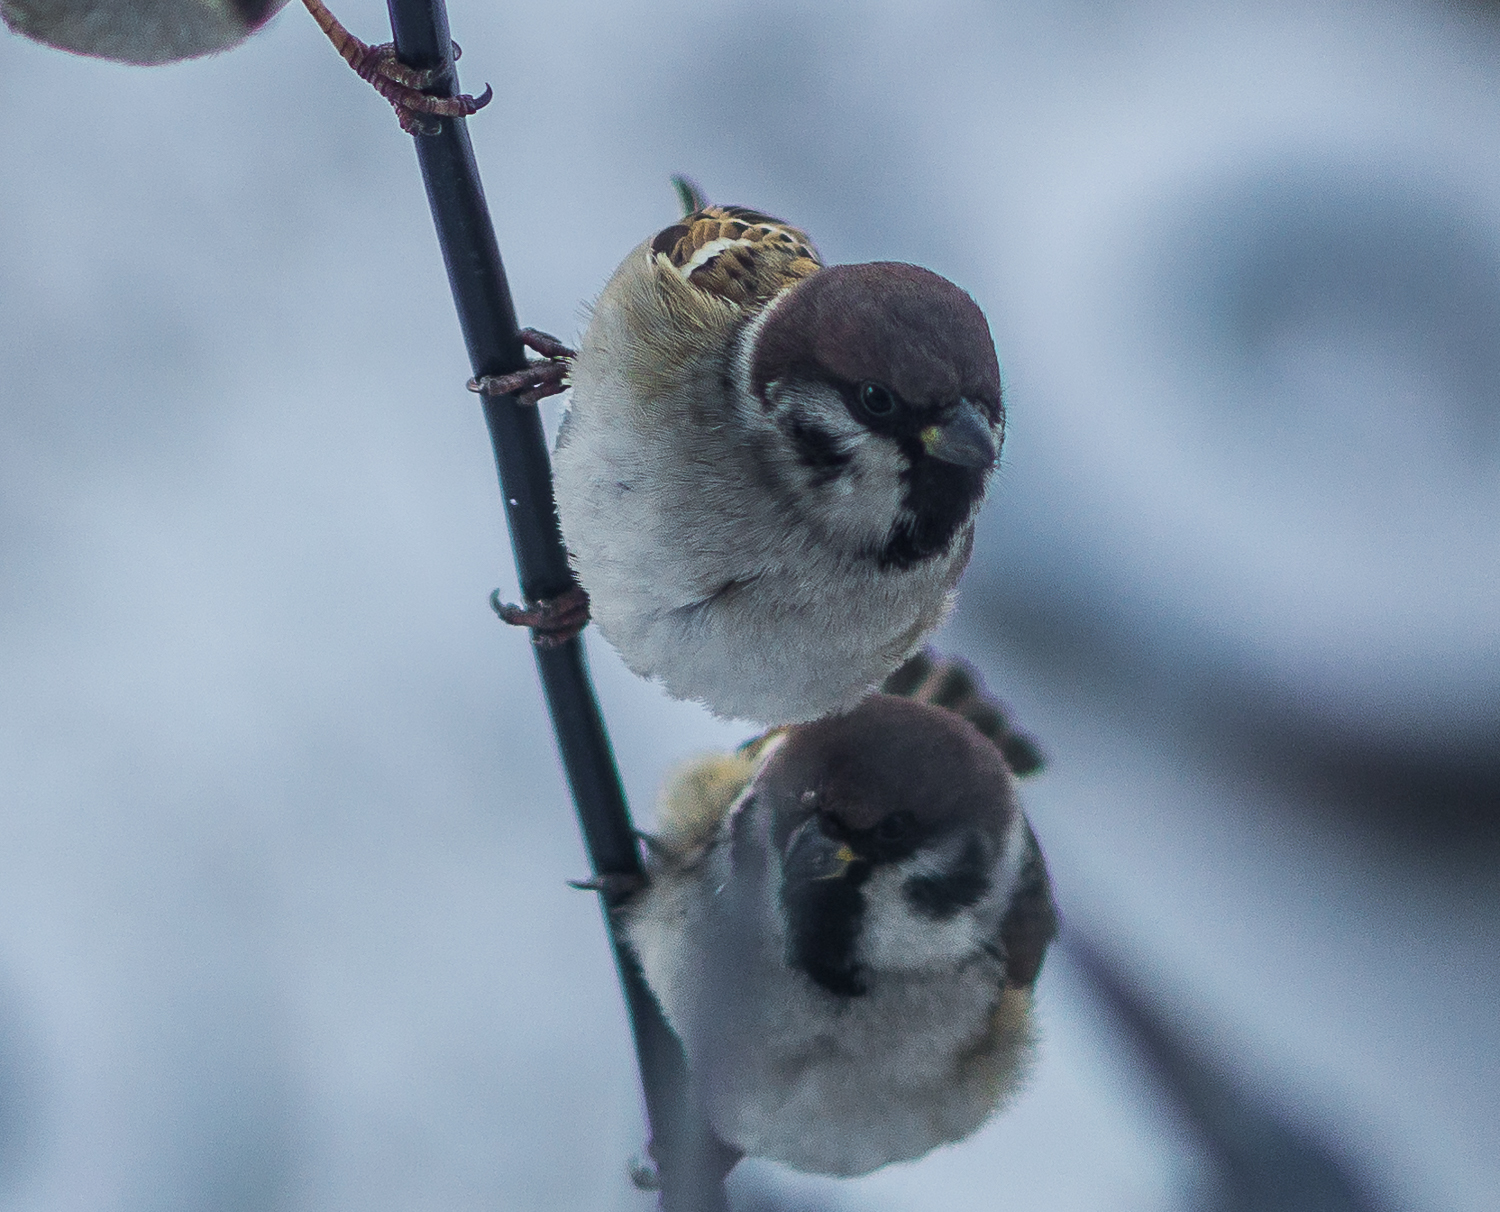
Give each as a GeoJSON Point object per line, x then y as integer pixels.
{"type": "Point", "coordinates": [413, 123]}
{"type": "Point", "coordinates": [380, 60]}
{"type": "Point", "coordinates": [615, 885]}
{"type": "Point", "coordinates": [536, 380]}
{"type": "Point", "coordinates": [413, 107]}
{"type": "Point", "coordinates": [530, 386]}
{"type": "Point", "coordinates": [397, 82]}
{"type": "Point", "coordinates": [553, 621]}
{"type": "Point", "coordinates": [546, 344]}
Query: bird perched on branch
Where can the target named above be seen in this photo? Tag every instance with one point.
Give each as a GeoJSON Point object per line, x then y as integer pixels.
{"type": "Point", "coordinates": [769, 471]}
{"type": "Point", "coordinates": [843, 924]}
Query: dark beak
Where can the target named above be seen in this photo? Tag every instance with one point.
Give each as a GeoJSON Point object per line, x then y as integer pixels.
{"type": "Point", "coordinates": [965, 438]}
{"type": "Point", "coordinates": [812, 856]}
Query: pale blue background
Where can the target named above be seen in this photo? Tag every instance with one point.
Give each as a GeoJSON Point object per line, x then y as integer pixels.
{"type": "Point", "coordinates": [282, 838]}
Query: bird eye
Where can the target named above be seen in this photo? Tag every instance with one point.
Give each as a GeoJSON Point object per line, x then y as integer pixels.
{"type": "Point", "coordinates": [876, 400]}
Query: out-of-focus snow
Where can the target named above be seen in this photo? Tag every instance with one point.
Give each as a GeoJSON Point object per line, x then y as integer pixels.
{"type": "Point", "coordinates": [282, 839]}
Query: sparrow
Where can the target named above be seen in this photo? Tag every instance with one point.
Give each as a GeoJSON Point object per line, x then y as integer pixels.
{"type": "Point", "coordinates": [843, 923]}
{"type": "Point", "coordinates": [768, 473]}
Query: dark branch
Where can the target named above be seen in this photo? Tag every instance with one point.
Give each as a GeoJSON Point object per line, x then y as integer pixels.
{"type": "Point", "coordinates": [689, 1161]}
{"type": "Point", "coordinates": [1261, 1159]}
{"type": "Point", "coordinates": [399, 84]}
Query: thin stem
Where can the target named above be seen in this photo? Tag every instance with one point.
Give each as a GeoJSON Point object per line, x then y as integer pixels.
{"type": "Point", "coordinates": [689, 1161]}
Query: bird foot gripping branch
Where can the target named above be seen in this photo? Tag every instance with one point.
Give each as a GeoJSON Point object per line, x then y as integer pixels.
{"type": "Point", "coordinates": [615, 885]}
{"type": "Point", "coordinates": [553, 621]}
{"type": "Point", "coordinates": [399, 84]}
{"type": "Point", "coordinates": [539, 379]}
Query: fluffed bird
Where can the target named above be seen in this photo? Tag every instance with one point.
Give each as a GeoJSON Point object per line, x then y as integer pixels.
{"type": "Point", "coordinates": [769, 471]}
{"type": "Point", "coordinates": [139, 31]}
{"type": "Point", "coordinates": [843, 924]}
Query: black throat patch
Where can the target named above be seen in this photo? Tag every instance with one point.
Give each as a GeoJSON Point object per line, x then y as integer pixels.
{"type": "Point", "coordinates": [939, 499]}
{"type": "Point", "coordinates": [823, 920]}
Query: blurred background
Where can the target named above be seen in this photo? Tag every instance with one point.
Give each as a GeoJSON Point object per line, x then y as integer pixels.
{"type": "Point", "coordinates": [282, 835]}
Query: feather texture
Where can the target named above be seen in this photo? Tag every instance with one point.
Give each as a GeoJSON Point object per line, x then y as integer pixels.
{"type": "Point", "coordinates": [937, 1031]}
{"type": "Point", "coordinates": [736, 254]}
{"type": "Point", "coordinates": [736, 536]}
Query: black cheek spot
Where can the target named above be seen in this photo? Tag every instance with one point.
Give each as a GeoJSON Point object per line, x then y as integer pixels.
{"type": "Point", "coordinates": [819, 450]}
{"type": "Point", "coordinates": [939, 897]}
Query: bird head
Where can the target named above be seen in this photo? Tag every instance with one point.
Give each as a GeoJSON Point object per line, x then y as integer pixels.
{"type": "Point", "coordinates": [898, 843]}
{"type": "Point", "coordinates": [882, 382]}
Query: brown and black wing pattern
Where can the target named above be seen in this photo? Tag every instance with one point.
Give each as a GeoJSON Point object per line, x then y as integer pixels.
{"type": "Point", "coordinates": [738, 254]}
{"type": "Point", "coordinates": [954, 684]}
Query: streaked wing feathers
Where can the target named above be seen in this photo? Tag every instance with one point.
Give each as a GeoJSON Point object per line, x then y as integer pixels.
{"type": "Point", "coordinates": [736, 253]}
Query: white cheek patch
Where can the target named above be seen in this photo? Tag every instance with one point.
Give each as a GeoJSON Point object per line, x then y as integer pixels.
{"type": "Point", "coordinates": [894, 937]}
{"type": "Point", "coordinates": [854, 509]}
{"type": "Point", "coordinates": [859, 504]}
{"type": "Point", "coordinates": [820, 405]}
{"type": "Point", "coordinates": [880, 462]}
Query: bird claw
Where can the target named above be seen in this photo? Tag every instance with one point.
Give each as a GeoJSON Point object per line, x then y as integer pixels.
{"type": "Point", "coordinates": [402, 86]}
{"type": "Point", "coordinates": [553, 621]}
{"type": "Point", "coordinates": [398, 83]}
{"type": "Point", "coordinates": [546, 344]}
{"type": "Point", "coordinates": [530, 386]}
{"type": "Point", "coordinates": [615, 885]}
{"type": "Point", "coordinates": [371, 61]}
{"type": "Point", "coordinates": [537, 380]}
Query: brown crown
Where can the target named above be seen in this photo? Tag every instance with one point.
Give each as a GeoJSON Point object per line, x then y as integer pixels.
{"type": "Point", "coordinates": [893, 755]}
{"type": "Point", "coordinates": [903, 327]}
